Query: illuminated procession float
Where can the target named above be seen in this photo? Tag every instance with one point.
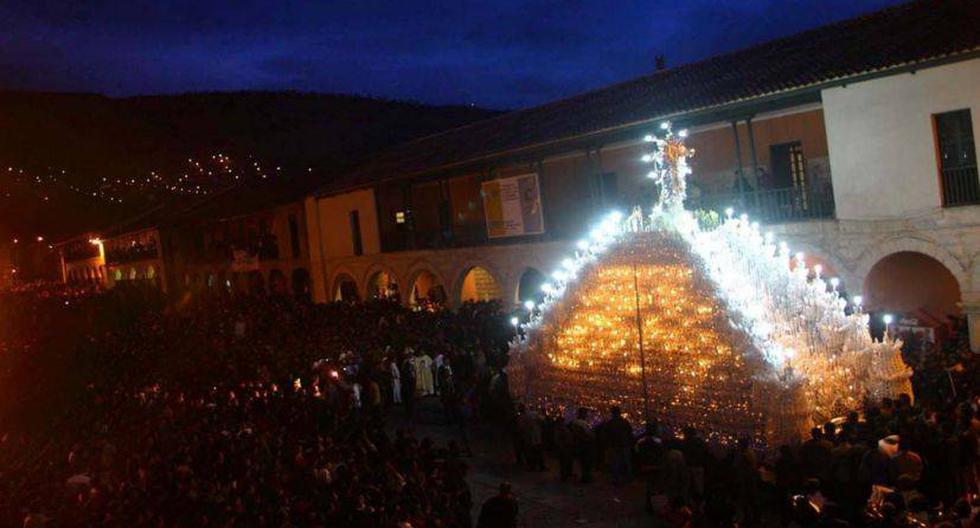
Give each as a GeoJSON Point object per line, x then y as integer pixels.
{"type": "Point", "coordinates": [715, 327]}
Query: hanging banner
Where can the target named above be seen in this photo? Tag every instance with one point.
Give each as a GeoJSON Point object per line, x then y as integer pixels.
{"type": "Point", "coordinates": [513, 206]}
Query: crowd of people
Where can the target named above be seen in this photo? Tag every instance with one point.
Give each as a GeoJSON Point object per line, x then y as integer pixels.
{"type": "Point", "coordinates": [124, 410]}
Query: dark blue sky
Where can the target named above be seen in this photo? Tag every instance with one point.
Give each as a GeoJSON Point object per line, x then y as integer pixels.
{"type": "Point", "coordinates": [502, 54]}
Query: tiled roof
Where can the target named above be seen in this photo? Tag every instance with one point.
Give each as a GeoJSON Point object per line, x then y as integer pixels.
{"type": "Point", "coordinates": [896, 37]}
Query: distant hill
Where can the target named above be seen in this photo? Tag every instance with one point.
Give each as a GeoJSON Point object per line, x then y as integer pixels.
{"type": "Point", "coordinates": [93, 137]}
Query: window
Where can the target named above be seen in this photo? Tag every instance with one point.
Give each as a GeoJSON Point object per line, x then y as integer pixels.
{"type": "Point", "coordinates": [400, 217]}
{"type": "Point", "coordinates": [355, 232]}
{"type": "Point", "coordinates": [294, 236]}
{"type": "Point", "coordinates": [607, 190]}
{"type": "Point", "coordinates": [957, 158]}
{"type": "Point", "coordinates": [788, 167]}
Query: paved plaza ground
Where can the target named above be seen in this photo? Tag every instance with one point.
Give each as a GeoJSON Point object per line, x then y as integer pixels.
{"type": "Point", "coordinates": [544, 500]}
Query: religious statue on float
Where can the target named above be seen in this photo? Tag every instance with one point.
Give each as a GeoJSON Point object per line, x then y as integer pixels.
{"type": "Point", "coordinates": [718, 329]}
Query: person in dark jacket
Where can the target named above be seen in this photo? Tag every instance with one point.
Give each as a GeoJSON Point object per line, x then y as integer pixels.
{"type": "Point", "coordinates": [499, 511]}
{"type": "Point", "coordinates": [619, 439]}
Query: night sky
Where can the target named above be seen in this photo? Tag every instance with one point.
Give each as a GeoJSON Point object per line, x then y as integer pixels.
{"type": "Point", "coordinates": [504, 54]}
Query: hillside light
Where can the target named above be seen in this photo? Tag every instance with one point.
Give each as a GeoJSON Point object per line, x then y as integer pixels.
{"type": "Point", "coordinates": [529, 304]}
{"type": "Point", "coordinates": [729, 212]}
{"type": "Point", "coordinates": [858, 300]}
{"type": "Point", "coordinates": [514, 321]}
{"type": "Point", "coordinates": [888, 318]}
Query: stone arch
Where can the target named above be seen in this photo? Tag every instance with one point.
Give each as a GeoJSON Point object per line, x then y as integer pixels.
{"type": "Point", "coordinates": [344, 287]}
{"type": "Point", "coordinates": [907, 281]}
{"type": "Point", "coordinates": [426, 283]}
{"type": "Point", "coordinates": [478, 282]}
{"type": "Point", "coordinates": [529, 285]}
{"type": "Point", "coordinates": [381, 281]}
{"type": "Point", "coordinates": [915, 245]}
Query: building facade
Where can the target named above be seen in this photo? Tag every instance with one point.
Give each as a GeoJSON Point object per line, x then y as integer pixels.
{"type": "Point", "coordinates": [864, 161]}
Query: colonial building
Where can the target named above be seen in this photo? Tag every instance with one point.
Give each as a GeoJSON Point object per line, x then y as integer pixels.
{"type": "Point", "coordinates": [82, 260]}
{"type": "Point", "coordinates": [243, 240]}
{"type": "Point", "coordinates": [853, 142]}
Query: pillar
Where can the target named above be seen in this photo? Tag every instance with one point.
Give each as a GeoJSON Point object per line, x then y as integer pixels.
{"type": "Point", "coordinates": [971, 309]}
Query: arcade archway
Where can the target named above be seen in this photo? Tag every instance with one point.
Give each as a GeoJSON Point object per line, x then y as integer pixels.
{"type": "Point", "coordinates": [427, 290]}
{"type": "Point", "coordinates": [529, 287]}
{"type": "Point", "coordinates": [344, 289]}
{"type": "Point", "coordinates": [382, 285]}
{"type": "Point", "coordinates": [478, 284]}
{"type": "Point", "coordinates": [908, 281]}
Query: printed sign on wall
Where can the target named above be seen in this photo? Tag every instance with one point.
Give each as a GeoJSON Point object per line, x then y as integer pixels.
{"type": "Point", "coordinates": [513, 206]}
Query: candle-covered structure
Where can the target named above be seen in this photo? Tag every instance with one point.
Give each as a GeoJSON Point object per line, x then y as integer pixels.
{"type": "Point", "coordinates": [711, 328]}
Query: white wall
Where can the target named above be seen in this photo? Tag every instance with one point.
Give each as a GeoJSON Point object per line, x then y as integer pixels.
{"type": "Point", "coordinates": [881, 140]}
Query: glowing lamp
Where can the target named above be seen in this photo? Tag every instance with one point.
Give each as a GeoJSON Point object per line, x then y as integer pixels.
{"type": "Point", "coordinates": [648, 138]}
{"type": "Point", "coordinates": [546, 287]}
{"type": "Point", "coordinates": [615, 216]}
{"type": "Point", "coordinates": [858, 300]}
{"type": "Point", "coordinates": [529, 305]}
{"type": "Point", "coordinates": [514, 321]}
{"type": "Point", "coordinates": [664, 126]}
{"type": "Point", "coordinates": [682, 133]}
{"type": "Point", "coordinates": [834, 282]}
{"type": "Point", "coordinates": [583, 244]}
{"type": "Point", "coordinates": [647, 158]}
{"type": "Point", "coordinates": [888, 318]}
{"type": "Point", "coordinates": [800, 256]}
{"type": "Point", "coordinates": [729, 212]}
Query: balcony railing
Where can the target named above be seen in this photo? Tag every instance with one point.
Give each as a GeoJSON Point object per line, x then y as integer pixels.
{"type": "Point", "coordinates": [961, 186]}
{"type": "Point", "coordinates": [788, 204]}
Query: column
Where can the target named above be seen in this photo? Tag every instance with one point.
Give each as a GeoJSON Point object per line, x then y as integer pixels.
{"type": "Point", "coordinates": [971, 309]}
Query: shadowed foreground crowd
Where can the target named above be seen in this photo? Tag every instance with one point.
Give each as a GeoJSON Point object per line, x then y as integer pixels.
{"type": "Point", "coordinates": [117, 409]}
{"type": "Point", "coordinates": [212, 414]}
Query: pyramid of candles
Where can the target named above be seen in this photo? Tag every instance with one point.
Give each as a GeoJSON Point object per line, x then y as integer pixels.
{"type": "Point", "coordinates": [703, 324]}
